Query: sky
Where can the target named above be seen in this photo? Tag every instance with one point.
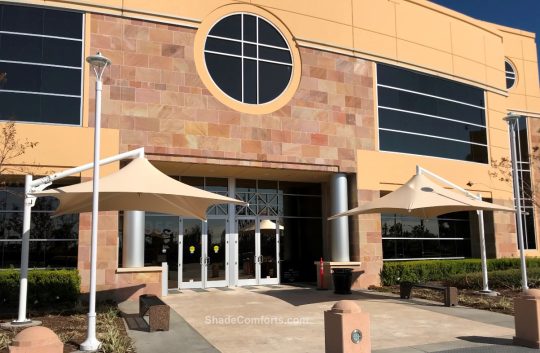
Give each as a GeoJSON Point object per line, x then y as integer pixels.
{"type": "Point", "coordinates": [521, 14]}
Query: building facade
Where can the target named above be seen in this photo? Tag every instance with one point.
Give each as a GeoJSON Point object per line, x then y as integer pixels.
{"type": "Point", "coordinates": [296, 107]}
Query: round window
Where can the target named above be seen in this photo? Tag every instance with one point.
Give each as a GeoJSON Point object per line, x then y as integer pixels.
{"type": "Point", "coordinates": [510, 73]}
{"type": "Point", "coordinates": [248, 58]}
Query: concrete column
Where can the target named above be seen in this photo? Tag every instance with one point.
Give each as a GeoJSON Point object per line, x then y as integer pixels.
{"type": "Point", "coordinates": [339, 228]}
{"type": "Point", "coordinates": [133, 239]}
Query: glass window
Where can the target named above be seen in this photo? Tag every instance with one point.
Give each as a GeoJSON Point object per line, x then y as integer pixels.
{"type": "Point", "coordinates": [510, 74]}
{"type": "Point", "coordinates": [53, 241]}
{"type": "Point", "coordinates": [427, 115]}
{"type": "Point", "coordinates": [525, 184]}
{"type": "Point", "coordinates": [415, 238]}
{"type": "Point", "coordinates": [248, 58]}
{"type": "Point", "coordinates": [431, 146]}
{"type": "Point", "coordinates": [41, 57]}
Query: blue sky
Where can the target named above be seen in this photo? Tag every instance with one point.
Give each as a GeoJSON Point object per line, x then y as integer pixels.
{"type": "Point", "coordinates": [521, 14]}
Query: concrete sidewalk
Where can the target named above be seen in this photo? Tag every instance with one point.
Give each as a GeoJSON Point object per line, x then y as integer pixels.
{"type": "Point", "coordinates": [290, 319]}
{"type": "Point", "coordinates": [181, 337]}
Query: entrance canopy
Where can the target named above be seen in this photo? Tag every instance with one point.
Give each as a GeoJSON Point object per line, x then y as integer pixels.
{"type": "Point", "coordinates": [421, 197]}
{"type": "Point", "coordinates": [139, 186]}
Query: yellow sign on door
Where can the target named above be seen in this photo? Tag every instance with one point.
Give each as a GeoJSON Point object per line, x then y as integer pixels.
{"type": "Point", "coordinates": [191, 249]}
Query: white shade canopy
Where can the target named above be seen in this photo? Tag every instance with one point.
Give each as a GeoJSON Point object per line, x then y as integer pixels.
{"type": "Point", "coordinates": [421, 197]}
{"type": "Point", "coordinates": [265, 224]}
{"type": "Point", "coordinates": [138, 186]}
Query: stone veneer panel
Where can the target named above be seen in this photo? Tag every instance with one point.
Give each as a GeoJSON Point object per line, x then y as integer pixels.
{"type": "Point", "coordinates": [366, 243]}
{"type": "Point", "coordinates": [154, 96]}
{"type": "Point", "coordinates": [505, 231]}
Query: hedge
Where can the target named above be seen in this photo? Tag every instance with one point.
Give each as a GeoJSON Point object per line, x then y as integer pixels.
{"type": "Point", "coordinates": [45, 288]}
{"type": "Point", "coordinates": [439, 270]}
{"type": "Point", "coordinates": [505, 279]}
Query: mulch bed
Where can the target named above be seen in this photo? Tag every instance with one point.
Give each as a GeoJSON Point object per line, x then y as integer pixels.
{"type": "Point", "coordinates": [71, 327]}
{"type": "Point", "coordinates": [503, 303]}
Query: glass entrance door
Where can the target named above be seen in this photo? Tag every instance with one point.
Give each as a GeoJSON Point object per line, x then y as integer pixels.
{"type": "Point", "coordinates": [258, 251]}
{"type": "Point", "coordinates": [204, 259]}
{"type": "Point", "coordinates": [269, 251]}
{"type": "Point", "coordinates": [191, 254]}
{"type": "Point", "coordinates": [217, 253]}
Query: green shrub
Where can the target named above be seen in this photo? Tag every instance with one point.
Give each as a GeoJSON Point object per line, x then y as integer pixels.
{"type": "Point", "coordinates": [504, 279]}
{"type": "Point", "coordinates": [439, 270]}
{"type": "Point", "coordinates": [45, 287]}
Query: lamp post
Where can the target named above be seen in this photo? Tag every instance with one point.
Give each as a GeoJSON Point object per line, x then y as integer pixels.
{"type": "Point", "coordinates": [512, 120]}
{"type": "Point", "coordinates": [98, 63]}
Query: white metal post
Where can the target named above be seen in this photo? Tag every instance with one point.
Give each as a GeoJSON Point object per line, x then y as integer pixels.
{"type": "Point", "coordinates": [512, 123]}
{"type": "Point", "coordinates": [483, 259]}
{"type": "Point", "coordinates": [91, 343]}
{"type": "Point", "coordinates": [25, 248]}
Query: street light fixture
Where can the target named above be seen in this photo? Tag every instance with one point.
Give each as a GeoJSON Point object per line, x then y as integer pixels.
{"type": "Point", "coordinates": [512, 120]}
{"type": "Point", "coordinates": [98, 63]}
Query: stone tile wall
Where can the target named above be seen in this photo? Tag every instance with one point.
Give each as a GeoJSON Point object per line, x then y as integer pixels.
{"type": "Point", "coordinates": [154, 96]}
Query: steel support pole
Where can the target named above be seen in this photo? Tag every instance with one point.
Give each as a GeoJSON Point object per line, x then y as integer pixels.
{"type": "Point", "coordinates": [25, 248]}
{"type": "Point", "coordinates": [339, 226]}
{"type": "Point", "coordinates": [91, 343]}
{"type": "Point", "coordinates": [512, 122]}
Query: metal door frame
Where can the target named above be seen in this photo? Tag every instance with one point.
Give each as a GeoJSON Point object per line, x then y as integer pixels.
{"type": "Point", "coordinates": [257, 280]}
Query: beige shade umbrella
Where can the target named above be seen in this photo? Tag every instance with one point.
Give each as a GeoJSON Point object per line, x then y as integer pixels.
{"type": "Point", "coordinates": [421, 197]}
{"type": "Point", "coordinates": [265, 224]}
{"type": "Point", "coordinates": [138, 186]}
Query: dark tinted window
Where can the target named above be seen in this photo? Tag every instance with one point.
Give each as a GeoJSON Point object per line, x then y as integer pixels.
{"type": "Point", "coordinates": [436, 86]}
{"type": "Point", "coordinates": [248, 67]}
{"type": "Point", "coordinates": [426, 114]}
{"type": "Point", "coordinates": [276, 78]}
{"type": "Point", "coordinates": [228, 27]}
{"type": "Point", "coordinates": [269, 35]}
{"type": "Point", "coordinates": [226, 72]}
{"type": "Point", "coordinates": [430, 146]}
{"type": "Point", "coordinates": [401, 121]}
{"type": "Point", "coordinates": [510, 74]}
{"type": "Point", "coordinates": [36, 20]}
{"type": "Point", "coordinates": [39, 108]}
{"type": "Point", "coordinates": [427, 105]}
{"type": "Point", "coordinates": [42, 74]}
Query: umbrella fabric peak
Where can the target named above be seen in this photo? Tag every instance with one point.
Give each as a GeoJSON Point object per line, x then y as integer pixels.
{"type": "Point", "coordinates": [421, 197]}
{"type": "Point", "coordinates": [138, 186]}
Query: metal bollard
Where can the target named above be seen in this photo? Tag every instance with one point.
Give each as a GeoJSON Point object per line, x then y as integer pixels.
{"type": "Point", "coordinates": [527, 319]}
{"type": "Point", "coordinates": [346, 329]}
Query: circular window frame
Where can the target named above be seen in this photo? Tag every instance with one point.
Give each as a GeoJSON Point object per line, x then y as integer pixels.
{"type": "Point", "coordinates": [200, 62]}
{"type": "Point", "coordinates": [506, 60]}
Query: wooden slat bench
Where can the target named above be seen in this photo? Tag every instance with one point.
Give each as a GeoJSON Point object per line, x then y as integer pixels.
{"type": "Point", "coordinates": [158, 312]}
{"type": "Point", "coordinates": [450, 293]}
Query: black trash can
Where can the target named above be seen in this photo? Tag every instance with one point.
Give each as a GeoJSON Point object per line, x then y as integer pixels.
{"type": "Point", "coordinates": [342, 280]}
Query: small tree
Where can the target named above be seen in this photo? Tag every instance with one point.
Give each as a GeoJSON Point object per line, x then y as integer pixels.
{"type": "Point", "coordinates": [11, 148]}
{"type": "Point", "coordinates": [501, 170]}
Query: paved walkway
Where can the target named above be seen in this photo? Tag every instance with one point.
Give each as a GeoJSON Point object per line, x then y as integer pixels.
{"type": "Point", "coordinates": [290, 319]}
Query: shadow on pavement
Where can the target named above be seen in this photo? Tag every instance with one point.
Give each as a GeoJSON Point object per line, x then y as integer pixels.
{"type": "Point", "coordinates": [487, 340]}
{"type": "Point", "coordinates": [309, 295]}
{"type": "Point", "coordinates": [135, 322]}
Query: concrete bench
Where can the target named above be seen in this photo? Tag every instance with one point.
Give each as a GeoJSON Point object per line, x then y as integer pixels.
{"type": "Point", "coordinates": [158, 312]}
{"type": "Point", "coordinates": [450, 293]}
